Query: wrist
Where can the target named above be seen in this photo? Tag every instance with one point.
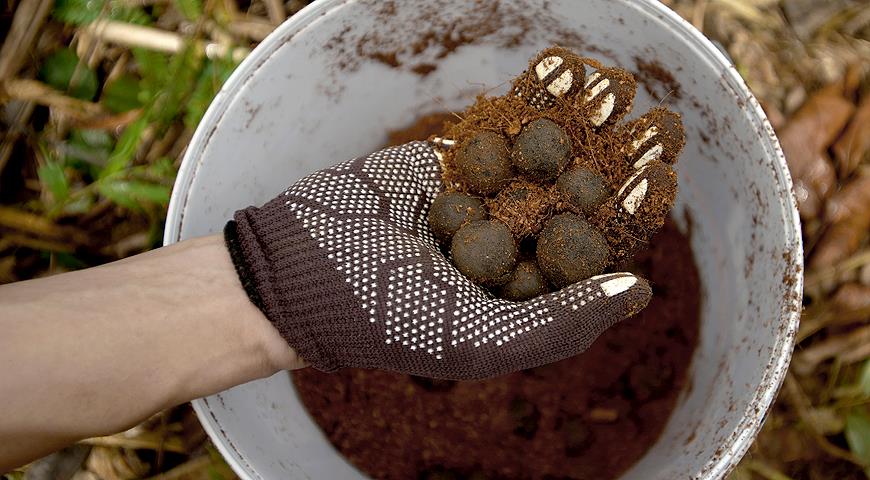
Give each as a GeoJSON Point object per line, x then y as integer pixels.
{"type": "Point", "coordinates": [272, 348]}
{"type": "Point", "coordinates": [234, 343]}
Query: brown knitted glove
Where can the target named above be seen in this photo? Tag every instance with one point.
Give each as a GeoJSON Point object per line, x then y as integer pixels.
{"type": "Point", "coordinates": [344, 265]}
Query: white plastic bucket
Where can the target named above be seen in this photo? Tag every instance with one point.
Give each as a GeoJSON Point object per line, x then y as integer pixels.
{"type": "Point", "coordinates": [292, 107]}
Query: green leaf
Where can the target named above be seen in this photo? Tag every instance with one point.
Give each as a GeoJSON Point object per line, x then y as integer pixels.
{"type": "Point", "coordinates": [126, 147]}
{"type": "Point", "coordinates": [87, 151]}
{"type": "Point", "coordinates": [79, 205]}
{"type": "Point", "coordinates": [69, 261]}
{"type": "Point", "coordinates": [184, 69]}
{"type": "Point", "coordinates": [209, 82]}
{"type": "Point", "coordinates": [192, 9]}
{"type": "Point", "coordinates": [63, 71]}
{"type": "Point", "coordinates": [122, 94]}
{"type": "Point", "coordinates": [152, 192]}
{"type": "Point", "coordinates": [128, 14]}
{"type": "Point", "coordinates": [858, 434]}
{"type": "Point", "coordinates": [133, 194]}
{"type": "Point", "coordinates": [77, 12]}
{"type": "Point", "coordinates": [864, 379]}
{"type": "Point", "coordinates": [53, 178]}
{"type": "Point", "coordinates": [151, 64]}
{"type": "Point", "coordinates": [82, 12]}
{"type": "Point", "coordinates": [154, 70]}
{"type": "Point", "coordinates": [161, 169]}
{"type": "Point", "coordinates": [213, 473]}
{"type": "Point", "coordinates": [92, 138]}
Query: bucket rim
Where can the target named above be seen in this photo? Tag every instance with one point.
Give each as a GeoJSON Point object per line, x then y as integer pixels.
{"type": "Point", "coordinates": [752, 419]}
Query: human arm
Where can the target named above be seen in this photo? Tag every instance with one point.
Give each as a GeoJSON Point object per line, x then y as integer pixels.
{"type": "Point", "coordinates": [96, 351]}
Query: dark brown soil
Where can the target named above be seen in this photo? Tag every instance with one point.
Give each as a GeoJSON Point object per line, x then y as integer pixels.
{"type": "Point", "coordinates": [590, 416]}
{"type": "Point", "coordinates": [423, 128]}
{"type": "Point", "coordinates": [432, 36]}
{"type": "Point", "coordinates": [656, 80]}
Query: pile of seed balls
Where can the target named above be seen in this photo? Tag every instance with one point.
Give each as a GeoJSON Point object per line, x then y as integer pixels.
{"type": "Point", "coordinates": [519, 222]}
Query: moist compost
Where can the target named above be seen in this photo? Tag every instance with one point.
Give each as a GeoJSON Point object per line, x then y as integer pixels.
{"type": "Point", "coordinates": [589, 416]}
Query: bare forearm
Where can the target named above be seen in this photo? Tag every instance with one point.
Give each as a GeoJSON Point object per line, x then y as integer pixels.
{"type": "Point", "coordinates": [96, 351]}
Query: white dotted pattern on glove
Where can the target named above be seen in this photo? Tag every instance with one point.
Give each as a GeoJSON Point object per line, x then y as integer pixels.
{"type": "Point", "coordinates": [392, 262]}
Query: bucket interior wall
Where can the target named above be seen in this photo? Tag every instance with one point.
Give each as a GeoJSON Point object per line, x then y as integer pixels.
{"type": "Point", "coordinates": [293, 108]}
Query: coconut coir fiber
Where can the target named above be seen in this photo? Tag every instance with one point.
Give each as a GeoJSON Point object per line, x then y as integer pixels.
{"type": "Point", "coordinates": [590, 416]}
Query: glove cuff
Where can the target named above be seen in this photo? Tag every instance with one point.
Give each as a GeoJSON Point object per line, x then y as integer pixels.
{"type": "Point", "coordinates": [231, 238]}
{"type": "Point", "coordinates": [290, 279]}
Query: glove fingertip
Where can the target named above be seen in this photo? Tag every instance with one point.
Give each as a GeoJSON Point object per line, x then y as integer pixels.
{"type": "Point", "coordinates": [627, 294]}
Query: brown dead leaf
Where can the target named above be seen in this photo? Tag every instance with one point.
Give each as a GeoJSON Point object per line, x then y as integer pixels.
{"type": "Point", "coordinates": [852, 199]}
{"type": "Point", "coordinates": [846, 347]}
{"type": "Point", "coordinates": [29, 223]}
{"type": "Point", "coordinates": [85, 475]}
{"type": "Point", "coordinates": [852, 79]}
{"type": "Point", "coordinates": [840, 241]}
{"type": "Point", "coordinates": [108, 122]}
{"type": "Point", "coordinates": [774, 114]}
{"type": "Point", "coordinates": [806, 138]}
{"type": "Point", "coordinates": [852, 297]}
{"type": "Point", "coordinates": [114, 464]}
{"type": "Point", "coordinates": [851, 207]}
{"type": "Point", "coordinates": [60, 465]}
{"type": "Point", "coordinates": [824, 420]}
{"type": "Point", "coordinates": [147, 440]}
{"type": "Point", "coordinates": [854, 145]}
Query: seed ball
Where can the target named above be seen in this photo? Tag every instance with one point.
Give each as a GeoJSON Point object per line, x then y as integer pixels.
{"type": "Point", "coordinates": [657, 135]}
{"type": "Point", "coordinates": [526, 282]}
{"type": "Point", "coordinates": [609, 96]}
{"type": "Point", "coordinates": [541, 150]}
{"type": "Point", "coordinates": [451, 210]}
{"type": "Point", "coordinates": [554, 73]}
{"type": "Point", "coordinates": [485, 252]}
{"type": "Point", "coordinates": [483, 163]}
{"type": "Point", "coordinates": [523, 207]}
{"type": "Point", "coordinates": [639, 209]}
{"type": "Point", "coordinates": [583, 188]}
{"type": "Point", "coordinates": [570, 250]}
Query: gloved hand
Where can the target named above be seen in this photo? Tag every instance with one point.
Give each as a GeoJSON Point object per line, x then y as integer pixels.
{"type": "Point", "coordinates": [344, 265]}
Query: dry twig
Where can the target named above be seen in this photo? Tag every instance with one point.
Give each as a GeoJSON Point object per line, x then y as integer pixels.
{"type": "Point", "coordinates": [40, 93]}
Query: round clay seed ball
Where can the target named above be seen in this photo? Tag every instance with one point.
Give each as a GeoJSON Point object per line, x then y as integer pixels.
{"type": "Point", "coordinates": [526, 282]}
{"type": "Point", "coordinates": [609, 96]}
{"type": "Point", "coordinates": [451, 210]}
{"type": "Point", "coordinates": [541, 150]}
{"type": "Point", "coordinates": [483, 163]}
{"type": "Point", "coordinates": [583, 188]}
{"type": "Point", "coordinates": [570, 250]}
{"type": "Point", "coordinates": [657, 135]}
{"type": "Point", "coordinates": [554, 73]}
{"type": "Point", "coordinates": [485, 252]}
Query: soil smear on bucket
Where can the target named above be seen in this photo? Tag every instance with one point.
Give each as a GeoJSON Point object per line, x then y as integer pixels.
{"type": "Point", "coordinates": [589, 416]}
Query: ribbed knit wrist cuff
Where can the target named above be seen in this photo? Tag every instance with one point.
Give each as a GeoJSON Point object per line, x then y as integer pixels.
{"type": "Point", "coordinates": [231, 238]}
{"type": "Point", "coordinates": [269, 250]}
